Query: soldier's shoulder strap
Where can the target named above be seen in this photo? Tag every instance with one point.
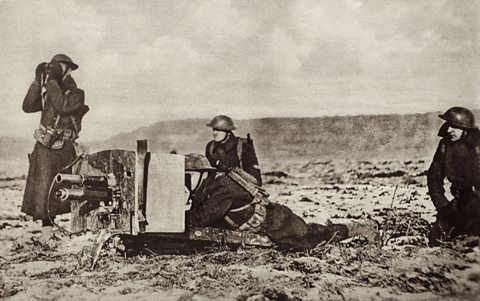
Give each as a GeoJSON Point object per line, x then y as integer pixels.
{"type": "Point", "coordinates": [240, 143]}
{"type": "Point", "coordinates": [443, 147]}
{"type": "Point", "coordinates": [210, 147]}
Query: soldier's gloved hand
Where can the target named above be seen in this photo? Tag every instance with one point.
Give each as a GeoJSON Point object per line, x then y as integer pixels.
{"type": "Point", "coordinates": [54, 71]}
{"type": "Point", "coordinates": [82, 111]}
{"type": "Point", "coordinates": [455, 192]}
{"type": "Point", "coordinates": [39, 70]}
{"type": "Point", "coordinates": [447, 214]}
{"type": "Point", "coordinates": [69, 83]}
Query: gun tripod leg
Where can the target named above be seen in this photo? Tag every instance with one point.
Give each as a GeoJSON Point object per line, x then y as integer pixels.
{"type": "Point", "coordinates": [102, 238]}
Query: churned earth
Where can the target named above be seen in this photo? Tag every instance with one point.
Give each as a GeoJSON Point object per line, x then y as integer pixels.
{"type": "Point", "coordinates": [391, 192]}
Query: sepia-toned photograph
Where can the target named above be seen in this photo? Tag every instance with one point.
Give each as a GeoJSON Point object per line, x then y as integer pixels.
{"type": "Point", "coordinates": [244, 150]}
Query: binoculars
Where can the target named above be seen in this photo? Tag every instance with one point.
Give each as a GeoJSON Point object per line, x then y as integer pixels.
{"type": "Point", "coordinates": [49, 69]}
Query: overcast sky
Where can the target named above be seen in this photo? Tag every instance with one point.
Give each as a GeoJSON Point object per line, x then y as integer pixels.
{"type": "Point", "coordinates": [146, 61]}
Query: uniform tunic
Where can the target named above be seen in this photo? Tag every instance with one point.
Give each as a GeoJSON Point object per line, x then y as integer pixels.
{"type": "Point", "coordinates": [227, 153]}
{"type": "Point", "coordinates": [214, 201]}
{"type": "Point", "coordinates": [459, 162]}
{"type": "Point", "coordinates": [64, 100]}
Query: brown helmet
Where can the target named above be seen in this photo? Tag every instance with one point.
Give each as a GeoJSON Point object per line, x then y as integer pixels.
{"type": "Point", "coordinates": [63, 58]}
{"type": "Point", "coordinates": [197, 162]}
{"type": "Point", "coordinates": [222, 123]}
{"type": "Point", "coordinates": [459, 117]}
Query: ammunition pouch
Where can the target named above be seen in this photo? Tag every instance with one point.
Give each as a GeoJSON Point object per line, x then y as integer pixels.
{"type": "Point", "coordinates": [257, 218]}
{"type": "Point", "coordinates": [53, 137]}
{"type": "Point", "coordinates": [49, 137]}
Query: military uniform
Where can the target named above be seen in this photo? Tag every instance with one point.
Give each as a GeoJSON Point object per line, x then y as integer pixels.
{"type": "Point", "coordinates": [64, 105]}
{"type": "Point", "coordinates": [222, 196]}
{"type": "Point", "coordinates": [459, 162]}
{"type": "Point", "coordinates": [228, 153]}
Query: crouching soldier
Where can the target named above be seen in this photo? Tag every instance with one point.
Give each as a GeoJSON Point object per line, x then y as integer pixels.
{"type": "Point", "coordinates": [458, 159]}
{"type": "Point", "coordinates": [54, 93]}
{"type": "Point", "coordinates": [231, 201]}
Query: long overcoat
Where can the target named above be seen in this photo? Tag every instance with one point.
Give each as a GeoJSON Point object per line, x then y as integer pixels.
{"type": "Point", "coordinates": [64, 100]}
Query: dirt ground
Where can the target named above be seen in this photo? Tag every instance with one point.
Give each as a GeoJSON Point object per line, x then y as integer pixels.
{"type": "Point", "coordinates": [392, 192]}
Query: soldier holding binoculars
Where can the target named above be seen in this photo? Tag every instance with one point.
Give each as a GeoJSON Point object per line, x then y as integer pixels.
{"type": "Point", "coordinates": [54, 93]}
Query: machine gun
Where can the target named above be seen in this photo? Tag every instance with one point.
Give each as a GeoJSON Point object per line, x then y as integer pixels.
{"type": "Point", "coordinates": [92, 192]}
{"type": "Point", "coordinates": [140, 197]}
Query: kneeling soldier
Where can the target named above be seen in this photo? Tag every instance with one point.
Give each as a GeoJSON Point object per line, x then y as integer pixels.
{"type": "Point", "coordinates": [458, 159]}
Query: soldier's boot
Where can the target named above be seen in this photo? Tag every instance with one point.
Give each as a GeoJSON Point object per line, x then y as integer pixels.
{"type": "Point", "coordinates": [369, 229]}
{"type": "Point", "coordinates": [47, 234]}
{"type": "Point", "coordinates": [440, 232]}
{"type": "Point", "coordinates": [338, 232]}
{"type": "Point", "coordinates": [318, 233]}
{"type": "Point", "coordinates": [48, 239]}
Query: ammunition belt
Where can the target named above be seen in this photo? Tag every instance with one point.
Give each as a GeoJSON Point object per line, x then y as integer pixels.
{"type": "Point", "coordinates": [51, 138]}
{"type": "Point", "coordinates": [254, 222]}
{"type": "Point", "coordinates": [66, 134]}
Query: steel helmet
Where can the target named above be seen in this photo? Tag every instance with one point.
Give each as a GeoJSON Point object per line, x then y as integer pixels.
{"type": "Point", "coordinates": [459, 117]}
{"type": "Point", "coordinates": [197, 162]}
{"type": "Point", "coordinates": [63, 58]}
{"type": "Point", "coordinates": [222, 123]}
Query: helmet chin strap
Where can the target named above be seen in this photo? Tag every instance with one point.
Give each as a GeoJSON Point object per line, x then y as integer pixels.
{"type": "Point", "coordinates": [65, 73]}
{"type": "Point", "coordinates": [65, 69]}
{"type": "Point", "coordinates": [226, 137]}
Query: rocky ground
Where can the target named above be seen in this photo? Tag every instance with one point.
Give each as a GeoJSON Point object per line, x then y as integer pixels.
{"type": "Point", "coordinates": [392, 192]}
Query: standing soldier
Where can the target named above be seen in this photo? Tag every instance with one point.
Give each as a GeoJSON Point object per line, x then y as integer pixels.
{"type": "Point", "coordinates": [230, 150]}
{"type": "Point", "coordinates": [458, 159]}
{"type": "Point", "coordinates": [54, 93]}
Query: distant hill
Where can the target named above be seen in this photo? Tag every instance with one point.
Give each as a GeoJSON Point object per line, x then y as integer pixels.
{"type": "Point", "coordinates": [364, 136]}
{"type": "Point", "coordinates": [356, 137]}
{"type": "Point", "coordinates": [15, 148]}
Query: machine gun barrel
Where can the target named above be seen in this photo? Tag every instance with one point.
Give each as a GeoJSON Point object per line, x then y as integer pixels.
{"type": "Point", "coordinates": [92, 181]}
{"type": "Point", "coordinates": [69, 179]}
{"type": "Point", "coordinates": [84, 194]}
